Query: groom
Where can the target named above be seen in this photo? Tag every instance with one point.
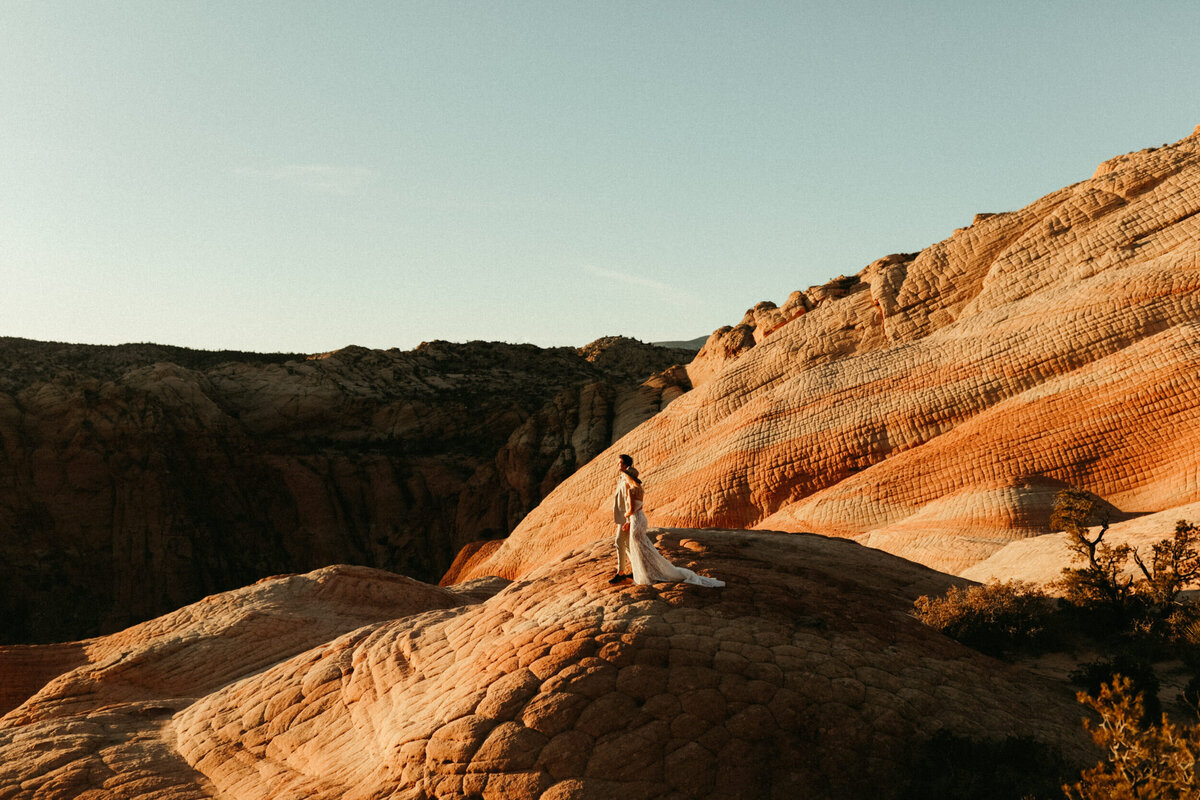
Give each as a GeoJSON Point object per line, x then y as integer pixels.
{"type": "Point", "coordinates": [624, 464]}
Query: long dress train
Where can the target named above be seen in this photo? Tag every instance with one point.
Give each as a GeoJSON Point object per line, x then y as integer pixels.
{"type": "Point", "coordinates": [649, 565]}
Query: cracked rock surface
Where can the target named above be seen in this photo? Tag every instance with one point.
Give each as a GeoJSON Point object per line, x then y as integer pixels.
{"type": "Point", "coordinates": [805, 677]}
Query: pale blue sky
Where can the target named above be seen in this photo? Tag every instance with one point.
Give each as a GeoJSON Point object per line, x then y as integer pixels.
{"type": "Point", "coordinates": [302, 176]}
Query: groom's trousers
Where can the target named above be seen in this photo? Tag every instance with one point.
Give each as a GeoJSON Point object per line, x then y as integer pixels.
{"type": "Point", "coordinates": [622, 543]}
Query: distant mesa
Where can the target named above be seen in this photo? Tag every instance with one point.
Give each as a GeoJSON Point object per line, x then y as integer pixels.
{"type": "Point", "coordinates": [691, 344]}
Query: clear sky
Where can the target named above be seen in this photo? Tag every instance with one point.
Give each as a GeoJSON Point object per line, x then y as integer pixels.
{"type": "Point", "coordinates": [301, 176]}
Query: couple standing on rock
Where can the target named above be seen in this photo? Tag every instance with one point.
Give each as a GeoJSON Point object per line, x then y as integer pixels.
{"type": "Point", "coordinates": [634, 548]}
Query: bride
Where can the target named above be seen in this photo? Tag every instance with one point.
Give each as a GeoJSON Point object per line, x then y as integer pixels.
{"type": "Point", "coordinates": [648, 564]}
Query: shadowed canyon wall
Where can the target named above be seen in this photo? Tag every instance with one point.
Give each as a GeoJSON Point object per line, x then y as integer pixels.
{"type": "Point", "coordinates": [138, 478]}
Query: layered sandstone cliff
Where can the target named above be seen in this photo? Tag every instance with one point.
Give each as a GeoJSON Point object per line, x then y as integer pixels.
{"type": "Point", "coordinates": [932, 404]}
{"type": "Point", "coordinates": [806, 676]}
{"type": "Point", "coordinates": [136, 479]}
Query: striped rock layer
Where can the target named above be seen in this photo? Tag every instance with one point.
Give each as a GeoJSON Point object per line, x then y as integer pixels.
{"type": "Point", "coordinates": [933, 404]}
{"type": "Point", "coordinates": [806, 676]}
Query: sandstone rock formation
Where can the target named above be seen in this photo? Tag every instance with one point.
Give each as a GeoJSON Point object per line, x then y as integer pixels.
{"type": "Point", "coordinates": [805, 677]}
{"type": "Point", "coordinates": [930, 406]}
{"type": "Point", "coordinates": [927, 404]}
{"type": "Point", "coordinates": [1041, 559]}
{"type": "Point", "coordinates": [136, 479]}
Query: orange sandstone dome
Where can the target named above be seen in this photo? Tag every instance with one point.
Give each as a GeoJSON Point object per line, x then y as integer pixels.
{"type": "Point", "coordinates": [806, 676]}
{"type": "Point", "coordinates": [932, 404]}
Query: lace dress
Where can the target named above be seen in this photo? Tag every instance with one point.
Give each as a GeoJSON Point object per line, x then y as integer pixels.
{"type": "Point", "coordinates": [649, 566]}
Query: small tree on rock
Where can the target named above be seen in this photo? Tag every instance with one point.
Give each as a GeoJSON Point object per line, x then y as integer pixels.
{"type": "Point", "coordinates": [1101, 581]}
{"type": "Point", "coordinates": [1174, 563]}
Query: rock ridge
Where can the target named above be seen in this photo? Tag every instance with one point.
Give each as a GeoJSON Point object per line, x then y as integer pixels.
{"type": "Point", "coordinates": [905, 406]}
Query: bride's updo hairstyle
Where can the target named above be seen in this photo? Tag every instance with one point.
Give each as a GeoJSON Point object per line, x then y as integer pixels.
{"type": "Point", "coordinates": [628, 469]}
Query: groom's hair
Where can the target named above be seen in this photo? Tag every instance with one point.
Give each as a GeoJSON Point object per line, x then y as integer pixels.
{"type": "Point", "coordinates": [626, 460]}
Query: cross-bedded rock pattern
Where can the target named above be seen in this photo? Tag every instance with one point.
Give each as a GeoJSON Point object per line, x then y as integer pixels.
{"type": "Point", "coordinates": [136, 479]}
{"type": "Point", "coordinates": [925, 404]}
{"type": "Point", "coordinates": [805, 677]}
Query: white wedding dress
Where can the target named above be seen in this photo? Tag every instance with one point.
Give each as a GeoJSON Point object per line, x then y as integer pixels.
{"type": "Point", "coordinates": [648, 564]}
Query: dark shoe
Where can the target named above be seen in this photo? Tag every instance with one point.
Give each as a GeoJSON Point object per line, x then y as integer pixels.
{"type": "Point", "coordinates": [618, 578]}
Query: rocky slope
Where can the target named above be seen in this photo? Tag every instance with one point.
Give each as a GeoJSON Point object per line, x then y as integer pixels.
{"type": "Point", "coordinates": [932, 404]}
{"type": "Point", "coordinates": [136, 479]}
{"type": "Point", "coordinates": [805, 677]}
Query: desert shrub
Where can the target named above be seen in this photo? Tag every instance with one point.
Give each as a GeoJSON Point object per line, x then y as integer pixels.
{"type": "Point", "coordinates": [1183, 625]}
{"type": "Point", "coordinates": [1145, 605]}
{"type": "Point", "coordinates": [845, 283]}
{"type": "Point", "coordinates": [1174, 563]}
{"type": "Point", "coordinates": [1101, 583]}
{"type": "Point", "coordinates": [1094, 676]}
{"type": "Point", "coordinates": [951, 767]}
{"type": "Point", "coordinates": [995, 618]}
{"type": "Point", "coordinates": [1140, 762]}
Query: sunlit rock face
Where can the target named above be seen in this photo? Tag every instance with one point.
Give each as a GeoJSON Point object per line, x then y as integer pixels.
{"type": "Point", "coordinates": [806, 676]}
{"type": "Point", "coordinates": [1041, 559]}
{"type": "Point", "coordinates": [136, 479]}
{"type": "Point", "coordinates": [931, 404]}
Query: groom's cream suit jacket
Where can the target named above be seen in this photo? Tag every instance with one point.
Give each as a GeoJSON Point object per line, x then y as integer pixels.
{"type": "Point", "coordinates": [620, 501]}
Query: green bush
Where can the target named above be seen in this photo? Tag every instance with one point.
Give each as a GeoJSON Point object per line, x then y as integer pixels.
{"type": "Point", "coordinates": [1174, 563]}
{"type": "Point", "coordinates": [995, 618]}
{"type": "Point", "coordinates": [1145, 604]}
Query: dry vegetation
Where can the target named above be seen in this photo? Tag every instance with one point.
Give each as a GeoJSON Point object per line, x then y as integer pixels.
{"type": "Point", "coordinates": [995, 618]}
{"type": "Point", "coordinates": [1142, 761]}
{"type": "Point", "coordinates": [1135, 617]}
